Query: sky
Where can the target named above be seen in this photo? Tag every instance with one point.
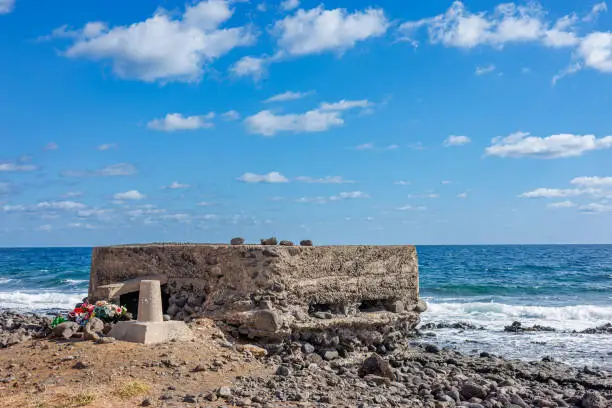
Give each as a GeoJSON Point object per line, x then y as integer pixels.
{"type": "Point", "coordinates": [344, 122]}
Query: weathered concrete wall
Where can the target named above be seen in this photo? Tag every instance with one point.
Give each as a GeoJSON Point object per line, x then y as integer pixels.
{"type": "Point", "coordinates": [272, 291]}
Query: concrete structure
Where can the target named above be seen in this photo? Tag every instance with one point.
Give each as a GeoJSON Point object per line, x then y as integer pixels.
{"type": "Point", "coordinates": [330, 296]}
{"type": "Point", "coordinates": [150, 327]}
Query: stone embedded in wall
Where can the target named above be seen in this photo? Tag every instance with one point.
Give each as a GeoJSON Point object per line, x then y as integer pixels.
{"type": "Point", "coordinates": [286, 243]}
{"type": "Point", "coordinates": [269, 241]}
{"type": "Point", "coordinates": [305, 242]}
{"type": "Point", "coordinates": [333, 297]}
{"type": "Point", "coordinates": [237, 241]}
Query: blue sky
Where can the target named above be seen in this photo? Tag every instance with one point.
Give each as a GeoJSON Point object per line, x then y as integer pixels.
{"type": "Point", "coordinates": [345, 122]}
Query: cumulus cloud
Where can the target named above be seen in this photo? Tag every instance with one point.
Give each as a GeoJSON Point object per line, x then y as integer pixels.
{"type": "Point", "coordinates": [119, 169]}
{"type": "Point", "coordinates": [596, 208]}
{"type": "Point", "coordinates": [562, 204]}
{"type": "Point", "coordinates": [272, 177]}
{"type": "Point", "coordinates": [230, 115]}
{"type": "Point", "coordinates": [16, 166]}
{"type": "Point", "coordinates": [288, 5]}
{"type": "Point", "coordinates": [60, 205]}
{"type": "Point", "coordinates": [453, 140]}
{"type": "Point", "coordinates": [318, 30]}
{"type": "Point", "coordinates": [254, 67]}
{"type": "Point", "coordinates": [6, 6]}
{"type": "Point", "coordinates": [324, 180]}
{"type": "Point", "coordinates": [162, 48]}
{"type": "Point", "coordinates": [592, 181]}
{"type": "Point", "coordinates": [508, 23]}
{"type": "Point", "coordinates": [326, 116]}
{"type": "Point", "coordinates": [176, 121]}
{"type": "Point", "coordinates": [129, 195]}
{"type": "Point", "coordinates": [176, 185]}
{"type": "Point", "coordinates": [522, 144]}
{"type": "Point", "coordinates": [484, 70]}
{"type": "Point", "coordinates": [288, 96]}
{"type": "Point", "coordinates": [347, 195]}
{"type": "Point", "coordinates": [106, 146]}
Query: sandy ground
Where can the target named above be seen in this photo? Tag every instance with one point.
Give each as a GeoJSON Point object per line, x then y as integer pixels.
{"type": "Point", "coordinates": [50, 374]}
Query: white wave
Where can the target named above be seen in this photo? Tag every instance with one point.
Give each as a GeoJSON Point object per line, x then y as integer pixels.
{"type": "Point", "coordinates": [74, 281]}
{"type": "Point", "coordinates": [30, 300]}
{"type": "Point", "coordinates": [496, 315]}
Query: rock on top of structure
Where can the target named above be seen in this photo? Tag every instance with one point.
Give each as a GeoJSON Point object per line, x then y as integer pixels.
{"type": "Point", "coordinates": [326, 295]}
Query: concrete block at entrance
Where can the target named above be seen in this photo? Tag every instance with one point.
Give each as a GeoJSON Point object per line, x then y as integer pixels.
{"type": "Point", "coordinates": [151, 332]}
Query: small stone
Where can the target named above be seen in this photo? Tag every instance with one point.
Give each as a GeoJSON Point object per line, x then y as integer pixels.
{"type": "Point", "coordinates": [191, 399]}
{"type": "Point", "coordinates": [322, 315]}
{"type": "Point", "coordinates": [432, 348]}
{"type": "Point", "coordinates": [65, 329]}
{"type": "Point", "coordinates": [269, 241]}
{"type": "Point", "coordinates": [396, 306]}
{"type": "Point", "coordinates": [286, 243]}
{"type": "Point", "coordinates": [376, 365]}
{"type": "Point", "coordinates": [305, 242]}
{"type": "Point", "coordinates": [421, 306]}
{"type": "Point", "coordinates": [237, 241]}
{"type": "Point", "coordinates": [106, 340]}
{"type": "Point", "coordinates": [470, 390]}
{"type": "Point", "coordinates": [330, 355]}
{"type": "Point", "coordinates": [198, 368]}
{"type": "Point", "coordinates": [145, 403]}
{"type": "Point", "coordinates": [167, 318]}
{"type": "Point", "coordinates": [283, 371]}
{"type": "Point", "coordinates": [266, 320]}
{"type": "Point", "coordinates": [307, 348]}
{"type": "Point", "coordinates": [80, 366]}
{"type": "Point", "coordinates": [592, 399]}
{"type": "Point", "coordinates": [224, 392]}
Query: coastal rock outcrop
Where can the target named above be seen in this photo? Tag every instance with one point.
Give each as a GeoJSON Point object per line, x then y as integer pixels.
{"type": "Point", "coordinates": [17, 327]}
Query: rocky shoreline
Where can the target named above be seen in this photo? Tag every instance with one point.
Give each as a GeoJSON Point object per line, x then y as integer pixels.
{"type": "Point", "coordinates": [412, 374]}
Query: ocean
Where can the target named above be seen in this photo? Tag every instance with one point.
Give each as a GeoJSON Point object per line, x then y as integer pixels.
{"type": "Point", "coordinates": [567, 287]}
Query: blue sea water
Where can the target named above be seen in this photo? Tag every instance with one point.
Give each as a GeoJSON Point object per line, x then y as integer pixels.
{"type": "Point", "coordinates": [568, 287]}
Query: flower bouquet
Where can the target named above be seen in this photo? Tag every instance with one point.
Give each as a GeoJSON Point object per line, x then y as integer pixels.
{"type": "Point", "coordinates": [103, 310]}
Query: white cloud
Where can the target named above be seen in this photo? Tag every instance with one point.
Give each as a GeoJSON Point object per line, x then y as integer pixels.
{"type": "Point", "coordinates": [204, 204]}
{"type": "Point", "coordinates": [6, 6]}
{"type": "Point", "coordinates": [427, 195]}
{"type": "Point", "coordinates": [592, 181]}
{"type": "Point", "coordinates": [272, 177]}
{"type": "Point", "coordinates": [508, 23]}
{"type": "Point", "coordinates": [288, 5]}
{"type": "Point", "coordinates": [562, 204]}
{"type": "Point", "coordinates": [446, 182]}
{"type": "Point", "coordinates": [313, 200]}
{"type": "Point", "coordinates": [484, 70]}
{"type": "Point", "coordinates": [521, 144]}
{"type": "Point", "coordinates": [72, 194]}
{"type": "Point", "coordinates": [365, 146]}
{"type": "Point", "coordinates": [81, 225]}
{"type": "Point", "coordinates": [176, 185]}
{"type": "Point", "coordinates": [60, 205]}
{"type": "Point", "coordinates": [324, 180]}
{"type": "Point", "coordinates": [14, 208]}
{"type": "Point", "coordinates": [349, 195]}
{"type": "Point", "coordinates": [596, 208]}
{"type": "Point", "coordinates": [129, 195]}
{"type": "Point", "coordinates": [230, 115]}
{"type": "Point", "coordinates": [176, 121]}
{"type": "Point", "coordinates": [462, 195]}
{"type": "Point", "coordinates": [46, 227]}
{"type": "Point", "coordinates": [595, 11]}
{"type": "Point", "coordinates": [402, 183]}
{"type": "Point", "coordinates": [163, 48]}
{"type": "Point", "coordinates": [106, 146]}
{"type": "Point", "coordinates": [318, 30]}
{"type": "Point", "coordinates": [119, 169]}
{"type": "Point", "coordinates": [94, 212]}
{"type": "Point", "coordinates": [344, 105]}
{"type": "Point", "coordinates": [453, 140]}
{"type": "Point", "coordinates": [254, 67]}
{"type": "Point", "coordinates": [595, 51]}
{"type": "Point", "coordinates": [289, 96]}
{"type": "Point", "coordinates": [409, 207]}
{"type": "Point", "coordinates": [551, 193]}
{"type": "Point", "coordinates": [11, 166]}
{"type": "Point", "coordinates": [179, 217]}
{"type": "Point", "coordinates": [51, 146]}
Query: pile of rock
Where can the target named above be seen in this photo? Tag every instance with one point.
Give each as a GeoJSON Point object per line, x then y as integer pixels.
{"type": "Point", "coordinates": [17, 327]}
{"type": "Point", "coordinates": [603, 329]}
{"type": "Point", "coordinates": [517, 327]}
{"type": "Point", "coordinates": [183, 305]}
{"type": "Point", "coordinates": [271, 241]}
{"type": "Point", "coordinates": [416, 377]}
{"type": "Point", "coordinates": [94, 330]}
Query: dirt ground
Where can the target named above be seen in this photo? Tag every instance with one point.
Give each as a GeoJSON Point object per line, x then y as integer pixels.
{"type": "Point", "coordinates": [66, 374]}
